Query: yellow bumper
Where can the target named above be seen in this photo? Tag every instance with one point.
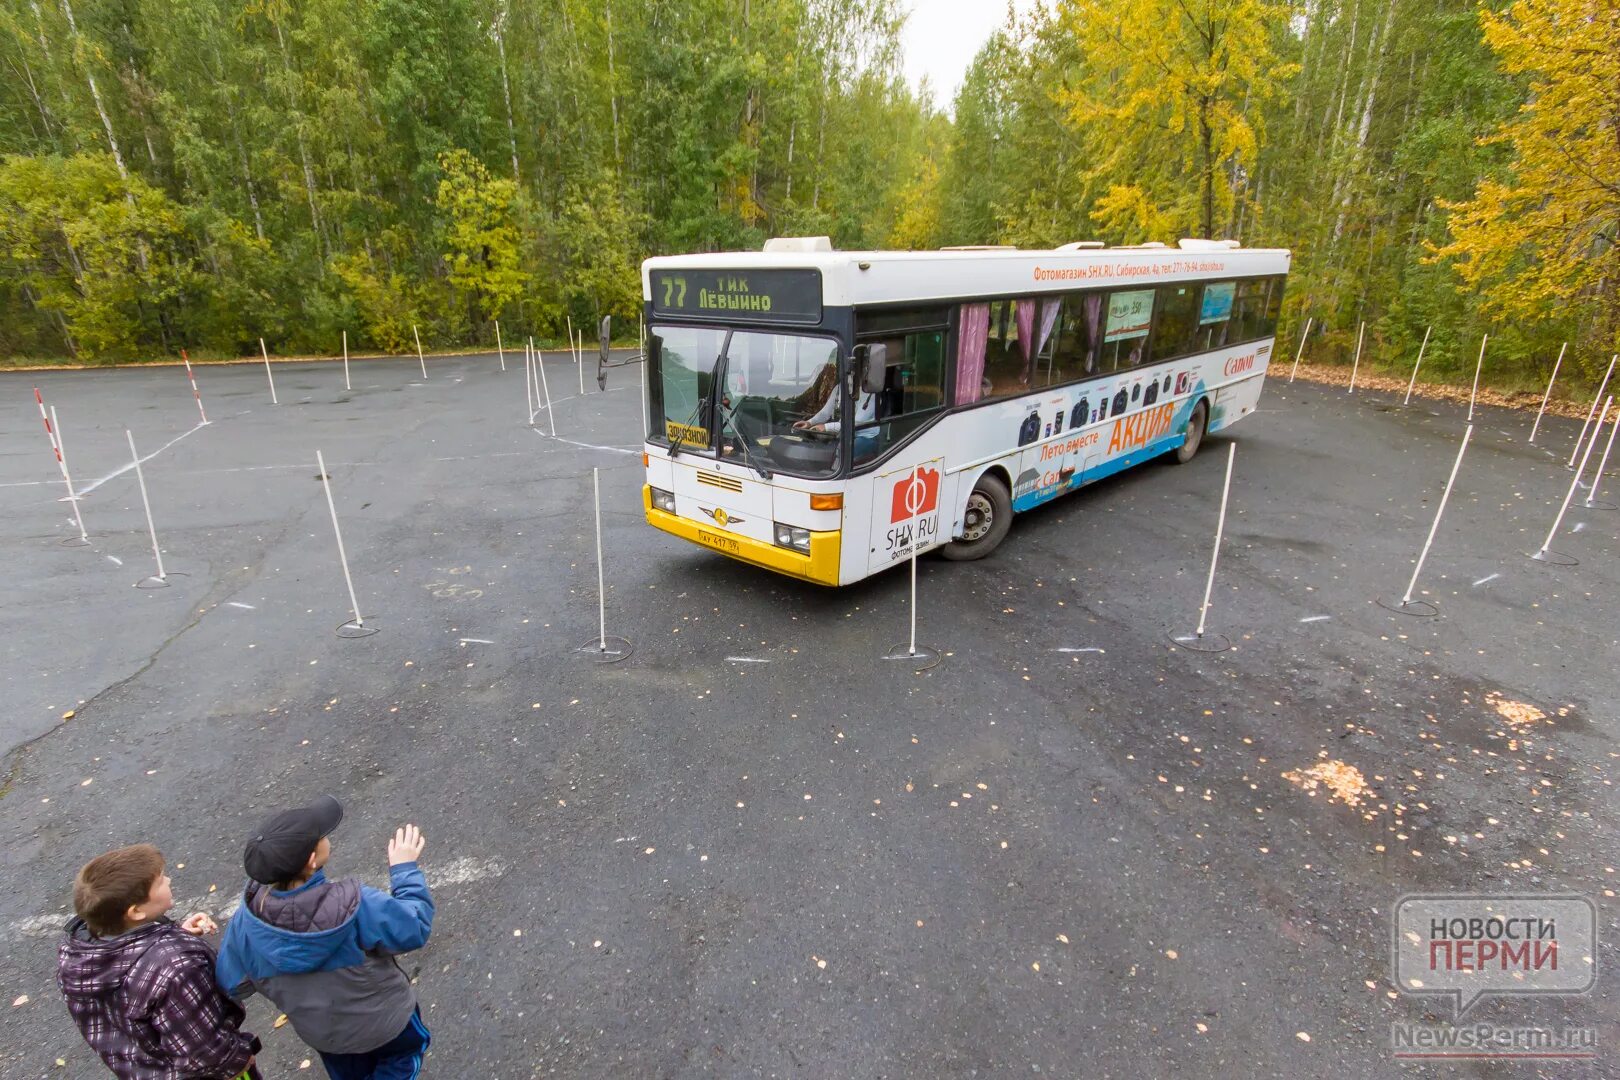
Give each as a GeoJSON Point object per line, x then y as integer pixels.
{"type": "Point", "coordinates": [820, 566]}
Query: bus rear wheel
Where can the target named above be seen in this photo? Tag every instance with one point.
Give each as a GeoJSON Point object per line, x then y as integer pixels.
{"type": "Point", "coordinates": [985, 521]}
{"type": "Point", "coordinates": [1197, 424]}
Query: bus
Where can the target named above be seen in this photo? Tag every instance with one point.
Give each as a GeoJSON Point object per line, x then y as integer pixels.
{"type": "Point", "coordinates": [828, 414]}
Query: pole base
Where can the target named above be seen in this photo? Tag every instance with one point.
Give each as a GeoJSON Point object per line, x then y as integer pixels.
{"type": "Point", "coordinates": [154, 582]}
{"type": "Point", "coordinates": [1422, 609]}
{"type": "Point", "coordinates": [354, 629]}
{"type": "Point", "coordinates": [84, 541]}
{"type": "Point", "coordinates": [1208, 643]}
{"type": "Point", "coordinates": [1553, 558]}
{"type": "Point", "coordinates": [1599, 504]}
{"type": "Point", "coordinates": [924, 658]}
{"type": "Point", "coordinates": [608, 650]}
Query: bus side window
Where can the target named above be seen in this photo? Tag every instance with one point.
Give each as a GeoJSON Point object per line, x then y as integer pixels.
{"type": "Point", "coordinates": [913, 391]}
{"type": "Point", "coordinates": [1249, 311]}
{"type": "Point", "coordinates": [1175, 321]}
{"type": "Point", "coordinates": [1075, 354]}
{"type": "Point", "coordinates": [1214, 315]}
{"type": "Point", "coordinates": [1130, 314]}
{"type": "Point", "coordinates": [1268, 326]}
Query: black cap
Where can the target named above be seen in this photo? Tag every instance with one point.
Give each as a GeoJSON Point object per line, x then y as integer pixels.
{"type": "Point", "coordinates": [282, 845]}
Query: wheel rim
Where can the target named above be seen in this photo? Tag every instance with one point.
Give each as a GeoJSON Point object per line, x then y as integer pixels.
{"type": "Point", "coordinates": [1195, 433]}
{"type": "Point", "coordinates": [981, 514]}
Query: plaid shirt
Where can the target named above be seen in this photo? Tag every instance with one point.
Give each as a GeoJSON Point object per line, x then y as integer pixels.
{"type": "Point", "coordinates": [146, 1001]}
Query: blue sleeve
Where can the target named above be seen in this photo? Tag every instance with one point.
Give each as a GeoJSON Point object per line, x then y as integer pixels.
{"type": "Point", "coordinates": [229, 971]}
{"type": "Point", "coordinates": [400, 920]}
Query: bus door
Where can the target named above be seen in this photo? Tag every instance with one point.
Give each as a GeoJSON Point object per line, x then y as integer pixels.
{"type": "Point", "coordinates": [905, 513]}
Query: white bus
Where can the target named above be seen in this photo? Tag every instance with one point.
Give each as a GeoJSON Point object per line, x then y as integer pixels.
{"type": "Point", "coordinates": [825, 413]}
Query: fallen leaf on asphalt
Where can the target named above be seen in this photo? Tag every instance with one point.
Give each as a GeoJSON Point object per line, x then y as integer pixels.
{"type": "Point", "coordinates": [596, 944]}
{"type": "Point", "coordinates": [820, 963]}
{"type": "Point", "coordinates": [1171, 953]}
{"type": "Point", "coordinates": [1202, 1028]}
{"type": "Point", "coordinates": [70, 714]}
{"type": "Point", "coordinates": [649, 851]}
{"type": "Point", "coordinates": [304, 1064]}
{"type": "Point", "coordinates": [281, 1021]}
{"type": "Point", "coordinates": [1035, 966]}
{"type": "Point", "coordinates": [21, 1001]}
{"type": "Point", "coordinates": [908, 785]}
{"type": "Point", "coordinates": [1343, 782]}
{"type": "Point", "coordinates": [1063, 938]}
{"type": "Point", "coordinates": [1303, 1036]}
{"type": "Point", "coordinates": [87, 782]}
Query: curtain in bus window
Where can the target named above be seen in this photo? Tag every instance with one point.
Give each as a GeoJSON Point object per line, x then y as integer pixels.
{"type": "Point", "coordinates": [972, 336]}
{"type": "Point", "coordinates": [1130, 315]}
{"type": "Point", "coordinates": [1039, 359]}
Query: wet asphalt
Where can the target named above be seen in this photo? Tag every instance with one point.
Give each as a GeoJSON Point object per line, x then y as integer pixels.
{"type": "Point", "coordinates": [755, 848]}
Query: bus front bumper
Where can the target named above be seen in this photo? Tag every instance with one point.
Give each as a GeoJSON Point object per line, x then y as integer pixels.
{"type": "Point", "coordinates": [820, 566]}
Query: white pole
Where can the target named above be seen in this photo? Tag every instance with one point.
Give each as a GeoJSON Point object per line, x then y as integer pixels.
{"type": "Point", "coordinates": [551, 414]}
{"type": "Point", "coordinates": [601, 586]}
{"type": "Point", "coordinates": [528, 376]}
{"type": "Point", "coordinates": [1301, 350]}
{"type": "Point", "coordinates": [1597, 477]}
{"type": "Point", "coordinates": [1417, 365]}
{"type": "Point", "coordinates": [1573, 484]}
{"type": "Point", "coordinates": [1604, 385]}
{"type": "Point", "coordinates": [419, 357]}
{"type": "Point", "coordinates": [1220, 527]}
{"type": "Point", "coordinates": [1357, 365]}
{"type": "Point", "coordinates": [571, 353]}
{"type": "Point", "coordinates": [156, 554]}
{"type": "Point", "coordinates": [498, 346]}
{"type": "Point", "coordinates": [346, 384]}
{"type": "Point", "coordinates": [1452, 479]}
{"type": "Point", "coordinates": [913, 650]}
{"type": "Point", "coordinates": [1477, 368]}
{"type": "Point", "coordinates": [73, 499]}
{"type": "Point", "coordinates": [1544, 397]}
{"type": "Point", "coordinates": [579, 360]}
{"type": "Point", "coordinates": [326, 482]}
{"type": "Point", "coordinates": [194, 391]}
{"type": "Point", "coordinates": [267, 372]}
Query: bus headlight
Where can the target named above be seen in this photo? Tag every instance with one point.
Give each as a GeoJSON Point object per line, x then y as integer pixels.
{"type": "Point", "coordinates": [663, 500]}
{"type": "Point", "coordinates": [790, 537]}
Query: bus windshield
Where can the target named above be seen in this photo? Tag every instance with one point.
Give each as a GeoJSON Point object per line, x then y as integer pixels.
{"type": "Point", "coordinates": [778, 405]}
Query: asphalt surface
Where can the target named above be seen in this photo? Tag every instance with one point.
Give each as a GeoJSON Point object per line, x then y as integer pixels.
{"type": "Point", "coordinates": [754, 848]}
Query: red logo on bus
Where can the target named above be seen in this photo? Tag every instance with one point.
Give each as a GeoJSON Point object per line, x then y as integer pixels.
{"type": "Point", "coordinates": [1240, 363]}
{"type": "Point", "coordinates": [914, 495]}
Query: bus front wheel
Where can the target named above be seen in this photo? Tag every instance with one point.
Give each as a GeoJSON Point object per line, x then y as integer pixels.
{"type": "Point", "coordinates": [985, 521]}
{"type": "Point", "coordinates": [1197, 424]}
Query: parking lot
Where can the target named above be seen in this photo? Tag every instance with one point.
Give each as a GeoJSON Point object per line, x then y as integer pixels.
{"type": "Point", "coordinates": [755, 848]}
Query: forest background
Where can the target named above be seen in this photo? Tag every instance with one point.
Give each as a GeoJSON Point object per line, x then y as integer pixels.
{"type": "Point", "coordinates": [201, 173]}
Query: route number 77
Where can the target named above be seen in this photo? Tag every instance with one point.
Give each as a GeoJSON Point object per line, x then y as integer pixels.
{"type": "Point", "coordinates": [674, 292]}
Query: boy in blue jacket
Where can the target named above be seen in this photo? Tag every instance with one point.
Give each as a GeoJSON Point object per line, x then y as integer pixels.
{"type": "Point", "coordinates": [323, 951]}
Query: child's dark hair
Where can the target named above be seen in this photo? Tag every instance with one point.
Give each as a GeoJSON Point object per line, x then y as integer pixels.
{"type": "Point", "coordinates": [109, 885]}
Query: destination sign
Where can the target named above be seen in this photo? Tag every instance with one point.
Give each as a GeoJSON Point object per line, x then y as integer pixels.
{"type": "Point", "coordinates": [792, 296]}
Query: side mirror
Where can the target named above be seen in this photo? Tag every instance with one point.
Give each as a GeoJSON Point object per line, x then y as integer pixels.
{"type": "Point", "coordinates": [604, 336]}
{"type": "Point", "coordinates": [872, 367]}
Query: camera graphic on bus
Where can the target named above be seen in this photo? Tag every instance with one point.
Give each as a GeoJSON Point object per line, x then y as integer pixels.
{"type": "Point", "coordinates": [914, 495]}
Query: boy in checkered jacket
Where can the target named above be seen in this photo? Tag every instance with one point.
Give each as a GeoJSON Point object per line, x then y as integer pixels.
{"type": "Point", "coordinates": [141, 988]}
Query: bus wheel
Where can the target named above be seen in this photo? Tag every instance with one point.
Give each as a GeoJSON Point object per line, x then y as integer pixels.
{"type": "Point", "coordinates": [985, 522]}
{"type": "Point", "coordinates": [1196, 425]}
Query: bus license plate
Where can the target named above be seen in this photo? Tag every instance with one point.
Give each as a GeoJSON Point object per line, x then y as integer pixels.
{"type": "Point", "coordinates": [724, 543]}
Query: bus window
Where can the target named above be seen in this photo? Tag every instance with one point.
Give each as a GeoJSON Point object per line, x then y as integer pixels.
{"type": "Point", "coordinates": [1018, 356]}
{"type": "Point", "coordinates": [1273, 308]}
{"type": "Point", "coordinates": [913, 391]}
{"type": "Point", "coordinates": [972, 332]}
{"type": "Point", "coordinates": [1130, 313]}
{"type": "Point", "coordinates": [1249, 311]}
{"type": "Point", "coordinates": [1074, 356]}
{"type": "Point", "coordinates": [1175, 322]}
{"type": "Point", "coordinates": [1214, 315]}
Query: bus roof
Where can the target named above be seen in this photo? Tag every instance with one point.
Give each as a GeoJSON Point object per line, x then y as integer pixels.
{"type": "Point", "coordinates": [852, 278]}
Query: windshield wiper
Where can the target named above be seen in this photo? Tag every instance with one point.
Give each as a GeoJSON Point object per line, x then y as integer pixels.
{"type": "Point", "coordinates": [680, 436]}
{"type": "Point", "coordinates": [730, 417]}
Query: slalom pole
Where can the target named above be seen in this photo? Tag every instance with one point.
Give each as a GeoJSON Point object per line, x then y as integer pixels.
{"type": "Point", "coordinates": [1441, 509]}
{"type": "Point", "coordinates": [1597, 477]}
{"type": "Point", "coordinates": [579, 360]}
{"type": "Point", "coordinates": [1544, 397]}
{"type": "Point", "coordinates": [499, 348]}
{"type": "Point", "coordinates": [1220, 528]}
{"type": "Point", "coordinates": [528, 377]}
{"type": "Point", "coordinates": [1354, 367]}
{"type": "Point", "coordinates": [1542, 555]}
{"type": "Point", "coordinates": [73, 499]}
{"type": "Point", "coordinates": [601, 582]}
{"type": "Point", "coordinates": [1604, 385]}
{"type": "Point", "coordinates": [147, 503]}
{"type": "Point", "coordinates": [551, 414]}
{"type": "Point", "coordinates": [1301, 351]}
{"type": "Point", "coordinates": [1417, 365]}
{"type": "Point", "coordinates": [419, 358]}
{"type": "Point", "coordinates": [1477, 367]}
{"type": "Point", "coordinates": [268, 374]}
{"type": "Point", "coordinates": [194, 392]}
{"type": "Point", "coordinates": [326, 483]}
{"type": "Point", "coordinates": [346, 384]}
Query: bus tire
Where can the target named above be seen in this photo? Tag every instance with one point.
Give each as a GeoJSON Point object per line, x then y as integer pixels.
{"type": "Point", "coordinates": [985, 521]}
{"type": "Point", "coordinates": [1197, 426]}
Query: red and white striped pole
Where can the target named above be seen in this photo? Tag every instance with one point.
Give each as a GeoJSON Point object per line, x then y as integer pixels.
{"type": "Point", "coordinates": [45, 418]}
{"type": "Point", "coordinates": [194, 392]}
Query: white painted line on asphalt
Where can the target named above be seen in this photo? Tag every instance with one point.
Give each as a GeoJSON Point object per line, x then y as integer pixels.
{"type": "Point", "coordinates": [1316, 618]}
{"type": "Point", "coordinates": [745, 660]}
{"type": "Point", "coordinates": [222, 905]}
{"type": "Point", "coordinates": [476, 641]}
{"type": "Point", "coordinates": [1483, 580]}
{"type": "Point", "coordinates": [590, 446]}
{"type": "Point", "coordinates": [236, 604]}
{"type": "Point", "coordinates": [1088, 649]}
{"type": "Point", "coordinates": [115, 560]}
{"type": "Point", "coordinates": [88, 488]}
